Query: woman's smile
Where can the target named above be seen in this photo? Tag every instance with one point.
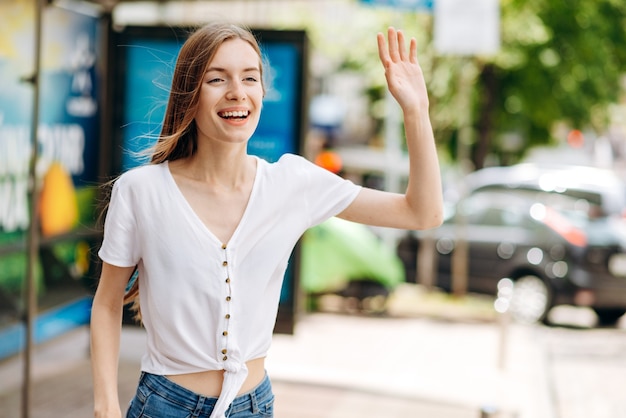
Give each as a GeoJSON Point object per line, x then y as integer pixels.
{"type": "Point", "coordinates": [238, 114]}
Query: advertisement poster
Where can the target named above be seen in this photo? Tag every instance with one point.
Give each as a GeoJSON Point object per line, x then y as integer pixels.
{"type": "Point", "coordinates": [147, 56]}
{"type": "Point", "coordinates": [67, 146]}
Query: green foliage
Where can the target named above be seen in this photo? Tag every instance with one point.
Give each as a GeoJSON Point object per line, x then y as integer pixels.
{"type": "Point", "coordinates": [13, 273]}
{"type": "Point", "coordinates": [561, 60]}
{"type": "Point", "coordinates": [87, 204]}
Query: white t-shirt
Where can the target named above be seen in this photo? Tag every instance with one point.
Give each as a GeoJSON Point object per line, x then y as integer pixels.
{"type": "Point", "coordinates": [208, 305]}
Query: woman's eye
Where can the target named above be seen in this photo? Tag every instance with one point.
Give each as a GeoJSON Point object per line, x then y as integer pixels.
{"type": "Point", "coordinates": [251, 79]}
{"type": "Point", "coordinates": [214, 80]}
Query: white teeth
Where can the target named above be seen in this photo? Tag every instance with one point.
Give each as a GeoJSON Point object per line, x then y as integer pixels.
{"type": "Point", "coordinates": [237, 114]}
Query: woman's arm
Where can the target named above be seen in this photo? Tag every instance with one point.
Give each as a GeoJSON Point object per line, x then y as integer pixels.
{"type": "Point", "coordinates": [421, 207]}
{"type": "Point", "coordinates": [106, 320]}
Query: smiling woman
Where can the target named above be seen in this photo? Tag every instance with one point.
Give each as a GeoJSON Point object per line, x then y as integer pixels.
{"type": "Point", "coordinates": [212, 256]}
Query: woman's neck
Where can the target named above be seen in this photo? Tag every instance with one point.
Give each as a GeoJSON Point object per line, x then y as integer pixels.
{"type": "Point", "coordinates": [226, 168]}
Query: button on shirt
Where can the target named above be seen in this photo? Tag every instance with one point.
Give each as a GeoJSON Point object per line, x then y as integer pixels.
{"type": "Point", "coordinates": [208, 305]}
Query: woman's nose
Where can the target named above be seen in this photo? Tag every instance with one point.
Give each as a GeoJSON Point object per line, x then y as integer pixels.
{"type": "Point", "coordinates": [236, 90]}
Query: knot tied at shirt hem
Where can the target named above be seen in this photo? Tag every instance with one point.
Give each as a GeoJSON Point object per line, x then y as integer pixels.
{"type": "Point", "coordinates": [234, 377]}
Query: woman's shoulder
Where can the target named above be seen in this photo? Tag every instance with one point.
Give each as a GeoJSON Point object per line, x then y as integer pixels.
{"type": "Point", "coordinates": [289, 158]}
{"type": "Point", "coordinates": [142, 175]}
{"type": "Point", "coordinates": [291, 163]}
{"type": "Point", "coordinates": [288, 167]}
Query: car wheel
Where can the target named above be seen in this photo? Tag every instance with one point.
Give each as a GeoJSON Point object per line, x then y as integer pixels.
{"type": "Point", "coordinates": [607, 316]}
{"type": "Point", "coordinates": [531, 299]}
{"type": "Point", "coordinates": [366, 296]}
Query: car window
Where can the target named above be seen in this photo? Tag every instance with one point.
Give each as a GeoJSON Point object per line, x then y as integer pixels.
{"type": "Point", "coordinates": [575, 206]}
{"type": "Point", "coordinates": [494, 208]}
{"type": "Point", "coordinates": [603, 190]}
{"type": "Point", "coordinates": [512, 208]}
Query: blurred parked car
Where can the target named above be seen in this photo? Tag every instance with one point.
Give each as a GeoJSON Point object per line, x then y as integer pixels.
{"type": "Point", "coordinates": [347, 259]}
{"type": "Point", "coordinates": [558, 233]}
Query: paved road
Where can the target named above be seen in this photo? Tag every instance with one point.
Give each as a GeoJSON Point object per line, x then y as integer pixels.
{"type": "Point", "coordinates": [587, 372]}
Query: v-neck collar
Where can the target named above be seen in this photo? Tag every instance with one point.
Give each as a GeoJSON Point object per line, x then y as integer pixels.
{"type": "Point", "coordinates": [192, 213]}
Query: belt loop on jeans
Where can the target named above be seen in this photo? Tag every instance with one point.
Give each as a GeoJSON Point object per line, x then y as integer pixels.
{"type": "Point", "coordinates": [199, 405]}
{"type": "Point", "coordinates": [254, 402]}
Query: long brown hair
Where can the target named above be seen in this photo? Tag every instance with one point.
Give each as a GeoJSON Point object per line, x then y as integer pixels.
{"type": "Point", "coordinates": [178, 138]}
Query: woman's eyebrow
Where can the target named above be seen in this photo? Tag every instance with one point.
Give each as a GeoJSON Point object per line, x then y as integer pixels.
{"type": "Point", "coordinates": [223, 70]}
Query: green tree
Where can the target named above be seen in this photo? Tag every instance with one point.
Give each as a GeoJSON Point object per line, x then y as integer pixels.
{"type": "Point", "coordinates": [561, 60]}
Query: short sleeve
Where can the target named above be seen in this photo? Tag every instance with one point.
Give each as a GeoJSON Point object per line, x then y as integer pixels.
{"type": "Point", "coordinates": [120, 244]}
{"type": "Point", "coordinates": [327, 194]}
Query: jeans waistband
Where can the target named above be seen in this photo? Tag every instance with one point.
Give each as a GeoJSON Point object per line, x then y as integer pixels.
{"type": "Point", "coordinates": [194, 401]}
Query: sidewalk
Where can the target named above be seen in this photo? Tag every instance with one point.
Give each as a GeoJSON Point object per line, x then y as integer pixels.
{"type": "Point", "coordinates": [443, 365]}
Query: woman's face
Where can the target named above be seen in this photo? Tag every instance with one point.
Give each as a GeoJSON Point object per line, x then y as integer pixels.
{"type": "Point", "coordinates": [231, 94]}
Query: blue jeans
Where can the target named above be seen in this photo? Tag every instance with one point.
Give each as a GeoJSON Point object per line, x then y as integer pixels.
{"type": "Point", "coordinates": [159, 397]}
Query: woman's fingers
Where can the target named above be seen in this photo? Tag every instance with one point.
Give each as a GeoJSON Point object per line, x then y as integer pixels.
{"type": "Point", "coordinates": [413, 51]}
{"type": "Point", "coordinates": [383, 53]}
{"type": "Point", "coordinates": [394, 49]}
{"type": "Point", "coordinates": [401, 46]}
{"type": "Point", "coordinates": [392, 36]}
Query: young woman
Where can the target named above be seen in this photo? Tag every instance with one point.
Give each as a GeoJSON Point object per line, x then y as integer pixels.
{"type": "Point", "coordinates": [210, 230]}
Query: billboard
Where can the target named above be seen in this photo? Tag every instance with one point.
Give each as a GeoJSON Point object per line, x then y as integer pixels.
{"type": "Point", "coordinates": [144, 60]}
{"type": "Point", "coordinates": [67, 147]}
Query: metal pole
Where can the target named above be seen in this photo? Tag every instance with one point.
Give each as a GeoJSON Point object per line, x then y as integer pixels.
{"type": "Point", "coordinates": [427, 260]}
{"type": "Point", "coordinates": [30, 294]}
{"type": "Point", "coordinates": [502, 305]}
{"type": "Point", "coordinates": [504, 319]}
{"type": "Point", "coordinates": [460, 256]}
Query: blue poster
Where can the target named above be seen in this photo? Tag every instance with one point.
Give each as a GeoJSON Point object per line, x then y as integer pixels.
{"type": "Point", "coordinates": [278, 128]}
{"type": "Point", "coordinates": [69, 109]}
{"type": "Point", "coordinates": [67, 145]}
{"type": "Point", "coordinates": [68, 136]}
{"type": "Point", "coordinates": [149, 69]}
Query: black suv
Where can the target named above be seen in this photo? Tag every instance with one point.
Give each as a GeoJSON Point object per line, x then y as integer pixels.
{"type": "Point", "coordinates": [558, 232]}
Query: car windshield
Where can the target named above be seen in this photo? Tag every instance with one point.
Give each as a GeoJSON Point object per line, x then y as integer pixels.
{"type": "Point", "coordinates": [582, 207]}
{"type": "Point", "coordinates": [496, 206]}
{"type": "Point", "coordinates": [602, 190]}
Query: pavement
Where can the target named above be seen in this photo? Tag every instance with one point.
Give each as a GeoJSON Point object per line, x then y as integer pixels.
{"type": "Point", "coordinates": [430, 355]}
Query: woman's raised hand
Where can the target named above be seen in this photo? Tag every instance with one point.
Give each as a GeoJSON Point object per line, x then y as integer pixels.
{"type": "Point", "coordinates": [402, 71]}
